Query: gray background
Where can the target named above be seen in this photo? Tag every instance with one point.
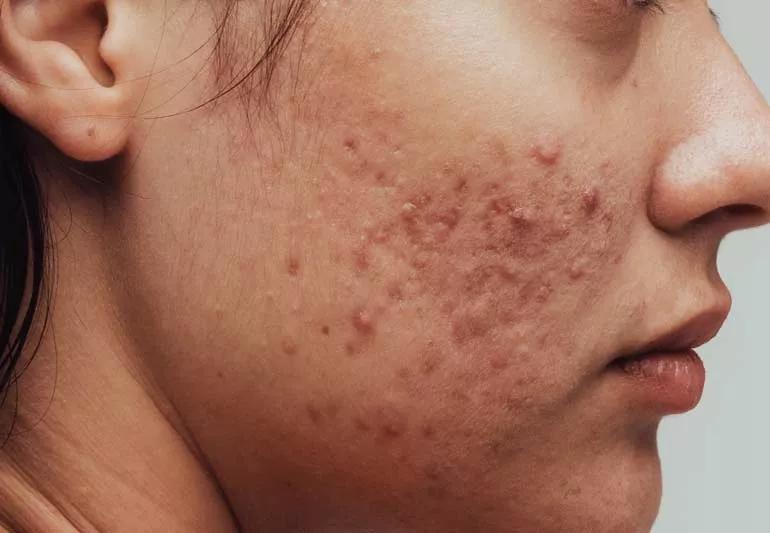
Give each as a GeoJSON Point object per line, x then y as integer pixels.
{"type": "Point", "coordinates": [716, 460]}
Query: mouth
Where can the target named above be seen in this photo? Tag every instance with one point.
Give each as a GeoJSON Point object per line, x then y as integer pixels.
{"type": "Point", "coordinates": [666, 376]}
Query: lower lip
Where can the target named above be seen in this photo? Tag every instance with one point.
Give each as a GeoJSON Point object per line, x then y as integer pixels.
{"type": "Point", "coordinates": [665, 383]}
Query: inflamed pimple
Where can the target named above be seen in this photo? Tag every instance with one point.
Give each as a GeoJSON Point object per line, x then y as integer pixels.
{"type": "Point", "coordinates": [590, 200]}
{"type": "Point", "coordinates": [546, 149]}
{"type": "Point", "coordinates": [362, 321]}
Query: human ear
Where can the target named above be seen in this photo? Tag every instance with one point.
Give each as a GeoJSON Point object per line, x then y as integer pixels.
{"type": "Point", "coordinates": [75, 70]}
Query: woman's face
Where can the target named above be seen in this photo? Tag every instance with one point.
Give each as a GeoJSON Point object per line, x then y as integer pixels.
{"type": "Point", "coordinates": [389, 294]}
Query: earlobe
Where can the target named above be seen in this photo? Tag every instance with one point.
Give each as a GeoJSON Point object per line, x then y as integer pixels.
{"type": "Point", "coordinates": [59, 72]}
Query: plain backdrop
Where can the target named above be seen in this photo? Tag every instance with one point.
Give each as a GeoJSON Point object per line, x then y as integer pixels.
{"type": "Point", "coordinates": [716, 460]}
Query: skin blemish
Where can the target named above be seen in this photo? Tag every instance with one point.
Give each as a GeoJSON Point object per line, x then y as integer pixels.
{"type": "Point", "coordinates": [576, 271]}
{"type": "Point", "coordinates": [395, 292]}
{"type": "Point", "coordinates": [288, 346]}
{"type": "Point", "coordinates": [361, 425]}
{"type": "Point", "coordinates": [461, 186]}
{"type": "Point", "coordinates": [361, 258]}
{"type": "Point", "coordinates": [469, 326]}
{"type": "Point", "coordinates": [430, 364]}
{"type": "Point", "coordinates": [363, 322]}
{"type": "Point", "coordinates": [379, 235]}
{"type": "Point", "coordinates": [91, 132]}
{"type": "Point", "coordinates": [293, 266]}
{"type": "Point", "coordinates": [546, 150]}
{"type": "Point", "coordinates": [428, 431]}
{"type": "Point", "coordinates": [432, 472]}
{"type": "Point", "coordinates": [314, 414]}
{"type": "Point", "coordinates": [331, 410]}
{"type": "Point", "coordinates": [351, 349]}
{"type": "Point", "coordinates": [325, 330]}
{"type": "Point", "coordinates": [499, 361]}
{"type": "Point", "coordinates": [590, 201]}
{"type": "Point", "coordinates": [392, 423]}
{"type": "Point", "coordinates": [350, 144]}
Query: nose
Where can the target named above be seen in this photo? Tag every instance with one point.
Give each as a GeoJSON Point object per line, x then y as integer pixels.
{"type": "Point", "coordinates": [720, 169]}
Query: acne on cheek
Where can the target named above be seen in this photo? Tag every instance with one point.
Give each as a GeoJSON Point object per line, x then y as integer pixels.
{"type": "Point", "coordinates": [489, 240]}
{"type": "Point", "coordinates": [486, 242]}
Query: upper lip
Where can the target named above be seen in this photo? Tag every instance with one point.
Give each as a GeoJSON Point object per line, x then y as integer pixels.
{"type": "Point", "coordinates": [694, 330]}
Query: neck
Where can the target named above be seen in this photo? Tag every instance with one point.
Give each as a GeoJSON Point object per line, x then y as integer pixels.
{"type": "Point", "coordinates": [96, 444]}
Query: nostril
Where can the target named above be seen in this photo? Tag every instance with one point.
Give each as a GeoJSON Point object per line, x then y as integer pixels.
{"type": "Point", "coordinates": [736, 214]}
{"type": "Point", "coordinates": [744, 210]}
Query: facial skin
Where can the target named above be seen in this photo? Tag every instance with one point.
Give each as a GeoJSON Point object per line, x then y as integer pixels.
{"type": "Point", "coordinates": [386, 297]}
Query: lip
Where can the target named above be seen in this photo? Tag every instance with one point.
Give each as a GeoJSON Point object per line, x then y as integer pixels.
{"type": "Point", "coordinates": [665, 375]}
{"type": "Point", "coordinates": [664, 383]}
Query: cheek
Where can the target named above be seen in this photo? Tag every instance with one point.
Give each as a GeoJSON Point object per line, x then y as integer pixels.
{"type": "Point", "coordinates": [464, 269]}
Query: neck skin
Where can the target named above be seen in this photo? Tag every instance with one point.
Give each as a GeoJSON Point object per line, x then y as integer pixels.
{"type": "Point", "coordinates": [96, 444]}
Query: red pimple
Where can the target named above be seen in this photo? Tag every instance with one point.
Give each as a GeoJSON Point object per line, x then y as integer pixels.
{"type": "Point", "coordinates": [289, 346]}
{"type": "Point", "coordinates": [590, 200]}
{"type": "Point", "coordinates": [350, 144]}
{"type": "Point", "coordinates": [546, 150]}
{"type": "Point", "coordinates": [362, 321]}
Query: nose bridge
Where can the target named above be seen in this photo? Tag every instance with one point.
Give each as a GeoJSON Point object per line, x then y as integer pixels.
{"type": "Point", "coordinates": [722, 159]}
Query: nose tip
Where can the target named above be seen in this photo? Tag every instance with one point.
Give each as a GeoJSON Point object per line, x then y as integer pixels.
{"type": "Point", "coordinates": [721, 175]}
